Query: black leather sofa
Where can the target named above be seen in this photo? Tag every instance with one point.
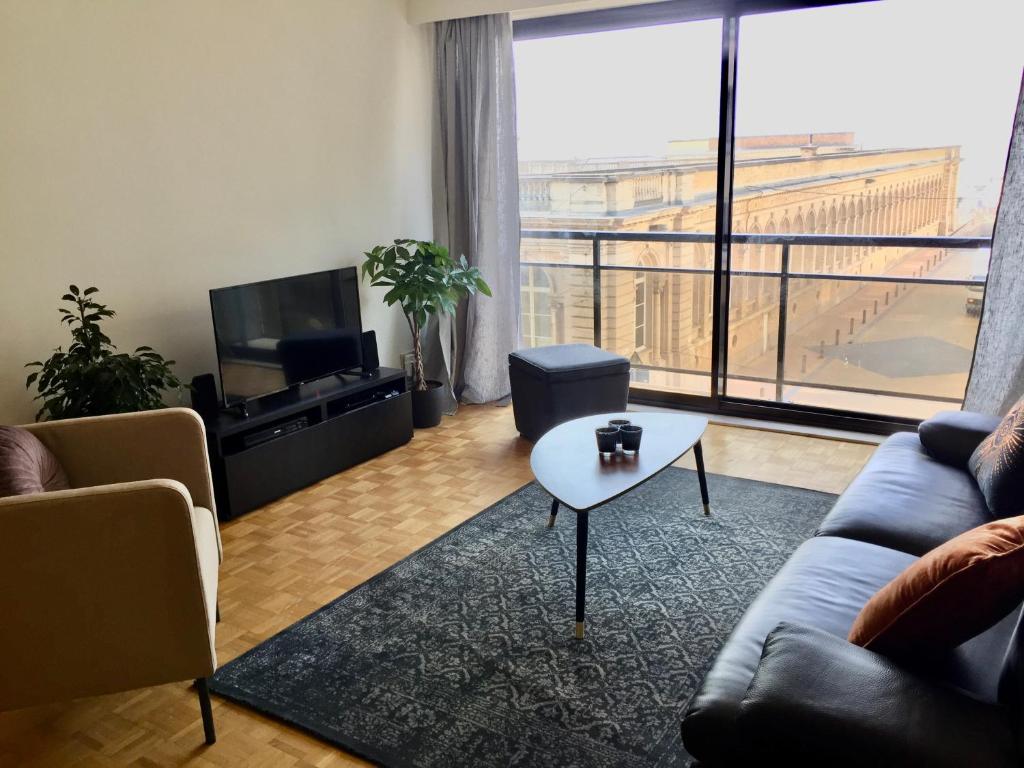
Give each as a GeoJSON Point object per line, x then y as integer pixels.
{"type": "Point", "coordinates": [787, 688]}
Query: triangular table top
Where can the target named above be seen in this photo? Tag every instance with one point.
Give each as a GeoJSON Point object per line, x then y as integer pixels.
{"type": "Point", "coordinates": [566, 462]}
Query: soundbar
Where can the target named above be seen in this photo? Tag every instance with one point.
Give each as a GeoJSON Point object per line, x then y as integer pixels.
{"type": "Point", "coordinates": [273, 433]}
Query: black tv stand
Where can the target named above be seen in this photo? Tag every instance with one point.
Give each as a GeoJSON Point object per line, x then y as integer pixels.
{"type": "Point", "coordinates": [239, 410]}
{"type": "Point", "coordinates": [292, 439]}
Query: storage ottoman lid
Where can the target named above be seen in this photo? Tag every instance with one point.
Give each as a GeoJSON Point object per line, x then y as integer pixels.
{"type": "Point", "coordinates": [568, 362]}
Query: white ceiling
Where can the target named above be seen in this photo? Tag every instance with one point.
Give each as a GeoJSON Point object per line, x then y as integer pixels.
{"type": "Point", "coordinates": [422, 11]}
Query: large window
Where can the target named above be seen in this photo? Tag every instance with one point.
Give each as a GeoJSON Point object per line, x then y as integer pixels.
{"type": "Point", "coordinates": [605, 121]}
{"type": "Point", "coordinates": [852, 208]}
{"type": "Point", "coordinates": [922, 100]}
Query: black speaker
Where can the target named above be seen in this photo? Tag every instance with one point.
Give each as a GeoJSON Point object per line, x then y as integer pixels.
{"type": "Point", "coordinates": [371, 361]}
{"type": "Point", "coordinates": [204, 395]}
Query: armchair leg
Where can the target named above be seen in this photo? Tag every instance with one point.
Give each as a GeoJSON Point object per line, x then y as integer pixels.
{"type": "Point", "coordinates": [218, 611]}
{"type": "Point", "coordinates": [207, 711]}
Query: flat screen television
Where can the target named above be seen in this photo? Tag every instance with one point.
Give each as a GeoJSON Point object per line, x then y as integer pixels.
{"type": "Point", "coordinates": [276, 334]}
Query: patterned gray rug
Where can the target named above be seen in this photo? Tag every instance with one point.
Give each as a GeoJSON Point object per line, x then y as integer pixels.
{"type": "Point", "coordinates": [463, 653]}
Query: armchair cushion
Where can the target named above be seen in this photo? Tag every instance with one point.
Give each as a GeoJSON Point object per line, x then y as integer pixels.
{"type": "Point", "coordinates": [817, 700]}
{"type": "Point", "coordinates": [26, 465]}
{"type": "Point", "coordinates": [952, 436]}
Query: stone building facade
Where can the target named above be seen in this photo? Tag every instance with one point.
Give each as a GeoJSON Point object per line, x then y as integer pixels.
{"type": "Point", "coordinates": [818, 183]}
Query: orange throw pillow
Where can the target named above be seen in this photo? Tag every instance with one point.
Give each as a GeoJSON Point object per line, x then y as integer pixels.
{"type": "Point", "coordinates": [956, 591]}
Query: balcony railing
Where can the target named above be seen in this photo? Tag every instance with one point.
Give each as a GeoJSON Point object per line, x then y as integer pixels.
{"type": "Point", "coordinates": [784, 276]}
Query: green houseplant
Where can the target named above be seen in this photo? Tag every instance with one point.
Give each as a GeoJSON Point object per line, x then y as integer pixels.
{"type": "Point", "coordinates": [91, 378]}
{"type": "Point", "coordinates": [425, 280]}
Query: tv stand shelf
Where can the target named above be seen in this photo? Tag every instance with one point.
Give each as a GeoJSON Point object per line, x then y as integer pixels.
{"type": "Point", "coordinates": [293, 439]}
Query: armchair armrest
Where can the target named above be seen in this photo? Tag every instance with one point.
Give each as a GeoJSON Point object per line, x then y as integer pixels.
{"type": "Point", "coordinates": [817, 698]}
{"type": "Point", "coordinates": [169, 443]}
{"type": "Point", "coordinates": [952, 436]}
{"type": "Point", "coordinates": [104, 589]}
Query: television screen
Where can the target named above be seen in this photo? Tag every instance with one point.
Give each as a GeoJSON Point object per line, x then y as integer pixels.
{"type": "Point", "coordinates": [275, 334]}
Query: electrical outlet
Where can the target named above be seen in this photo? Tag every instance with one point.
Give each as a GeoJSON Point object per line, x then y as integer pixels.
{"type": "Point", "coordinates": [408, 363]}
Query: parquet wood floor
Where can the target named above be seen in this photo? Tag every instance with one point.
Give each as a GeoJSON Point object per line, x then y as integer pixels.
{"type": "Point", "coordinates": [286, 560]}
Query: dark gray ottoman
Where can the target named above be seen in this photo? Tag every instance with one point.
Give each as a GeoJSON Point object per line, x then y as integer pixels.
{"type": "Point", "coordinates": [562, 382]}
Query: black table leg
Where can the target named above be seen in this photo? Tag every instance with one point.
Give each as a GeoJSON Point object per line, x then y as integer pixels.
{"type": "Point", "coordinates": [582, 522]}
{"type": "Point", "coordinates": [698, 455]}
{"type": "Point", "coordinates": [554, 511]}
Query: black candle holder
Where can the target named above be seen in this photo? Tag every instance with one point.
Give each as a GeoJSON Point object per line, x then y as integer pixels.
{"type": "Point", "coordinates": [607, 439]}
{"type": "Point", "coordinates": [630, 437]}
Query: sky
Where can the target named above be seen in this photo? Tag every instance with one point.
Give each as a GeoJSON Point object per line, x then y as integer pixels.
{"type": "Point", "coordinates": [898, 73]}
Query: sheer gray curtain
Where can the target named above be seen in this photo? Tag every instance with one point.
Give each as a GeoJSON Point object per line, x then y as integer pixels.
{"type": "Point", "coordinates": [997, 375]}
{"type": "Point", "coordinates": [476, 196]}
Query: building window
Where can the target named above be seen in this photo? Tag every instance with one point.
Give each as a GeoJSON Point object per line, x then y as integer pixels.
{"type": "Point", "coordinates": [640, 303]}
{"type": "Point", "coordinates": [535, 308]}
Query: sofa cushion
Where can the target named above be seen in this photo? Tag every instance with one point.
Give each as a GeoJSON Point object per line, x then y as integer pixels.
{"type": "Point", "coordinates": [952, 436]}
{"type": "Point", "coordinates": [906, 500]}
{"type": "Point", "coordinates": [998, 464]}
{"type": "Point", "coordinates": [951, 594]}
{"type": "Point", "coordinates": [26, 465]}
{"type": "Point", "coordinates": [824, 585]}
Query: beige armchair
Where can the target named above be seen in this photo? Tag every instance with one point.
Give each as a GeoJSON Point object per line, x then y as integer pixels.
{"type": "Point", "coordinates": [112, 585]}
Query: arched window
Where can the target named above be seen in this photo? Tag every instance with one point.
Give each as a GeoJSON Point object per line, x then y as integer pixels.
{"type": "Point", "coordinates": [858, 226]}
{"type": "Point", "coordinates": [845, 228]}
{"type": "Point", "coordinates": [821, 251]}
{"type": "Point", "coordinates": [832, 228]}
{"type": "Point", "coordinates": [537, 326]}
{"type": "Point", "coordinates": [918, 202]}
{"type": "Point", "coordinates": [900, 206]}
{"type": "Point", "coordinates": [700, 310]}
{"type": "Point", "coordinates": [797, 256]}
{"type": "Point", "coordinates": [640, 310]}
{"type": "Point", "coordinates": [751, 288]}
{"type": "Point", "coordinates": [769, 286]}
{"type": "Point", "coordinates": [872, 226]}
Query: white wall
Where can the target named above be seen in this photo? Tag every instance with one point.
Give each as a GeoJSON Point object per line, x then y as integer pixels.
{"type": "Point", "coordinates": [160, 148]}
{"type": "Point", "coordinates": [421, 11]}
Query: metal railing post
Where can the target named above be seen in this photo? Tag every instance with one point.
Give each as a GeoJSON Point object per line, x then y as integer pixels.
{"type": "Point", "coordinates": [780, 358]}
{"type": "Point", "coordinates": [596, 251]}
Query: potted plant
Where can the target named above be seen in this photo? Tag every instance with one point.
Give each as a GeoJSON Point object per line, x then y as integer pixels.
{"type": "Point", "coordinates": [425, 280]}
{"type": "Point", "coordinates": [92, 378]}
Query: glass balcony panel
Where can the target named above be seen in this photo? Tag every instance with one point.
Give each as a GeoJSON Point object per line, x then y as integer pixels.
{"type": "Point", "coordinates": [753, 335]}
{"type": "Point", "coordinates": [668, 337]}
{"type": "Point", "coordinates": [905, 348]}
{"type": "Point", "coordinates": [556, 298]}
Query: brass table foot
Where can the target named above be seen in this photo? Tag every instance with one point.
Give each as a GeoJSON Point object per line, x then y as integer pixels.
{"type": "Point", "coordinates": [579, 630]}
{"type": "Point", "coordinates": [707, 509]}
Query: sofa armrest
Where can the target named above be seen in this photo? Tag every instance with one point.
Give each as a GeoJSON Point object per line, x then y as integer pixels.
{"type": "Point", "coordinates": [104, 589]}
{"type": "Point", "coordinates": [817, 698]}
{"type": "Point", "coordinates": [952, 436]}
{"type": "Point", "coordinates": [169, 443]}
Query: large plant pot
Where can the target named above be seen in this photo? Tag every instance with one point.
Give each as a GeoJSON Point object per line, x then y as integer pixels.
{"type": "Point", "coordinates": [428, 405]}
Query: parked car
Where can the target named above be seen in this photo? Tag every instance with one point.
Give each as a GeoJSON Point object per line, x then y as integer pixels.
{"type": "Point", "coordinates": [975, 296]}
